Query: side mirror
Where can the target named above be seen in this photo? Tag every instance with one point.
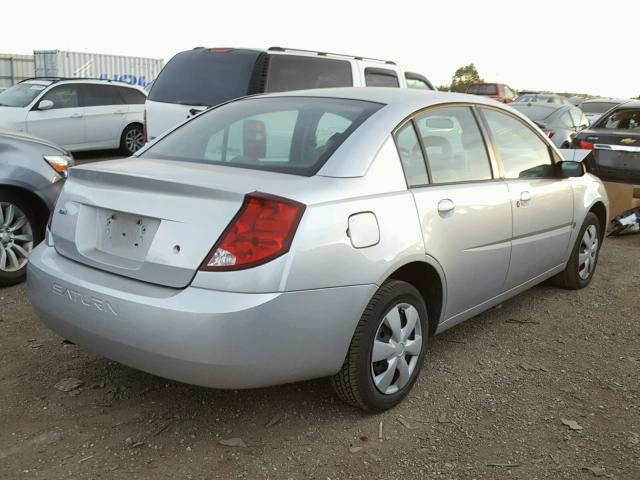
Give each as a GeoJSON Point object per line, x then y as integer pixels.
{"type": "Point", "coordinates": [45, 105]}
{"type": "Point", "coordinates": [254, 139]}
{"type": "Point", "coordinates": [567, 169]}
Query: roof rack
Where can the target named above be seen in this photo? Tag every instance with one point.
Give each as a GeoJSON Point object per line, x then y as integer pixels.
{"type": "Point", "coordinates": [325, 54]}
{"type": "Point", "coordinates": [60, 79]}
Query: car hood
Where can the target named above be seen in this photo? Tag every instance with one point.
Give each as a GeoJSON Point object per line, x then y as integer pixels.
{"type": "Point", "coordinates": [28, 138]}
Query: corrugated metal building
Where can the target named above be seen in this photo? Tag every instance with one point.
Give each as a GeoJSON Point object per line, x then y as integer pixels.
{"type": "Point", "coordinates": [57, 63]}
{"type": "Point", "coordinates": [14, 68]}
{"type": "Point", "coordinates": [133, 70]}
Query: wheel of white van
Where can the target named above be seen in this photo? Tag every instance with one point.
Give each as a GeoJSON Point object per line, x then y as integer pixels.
{"type": "Point", "coordinates": [584, 256]}
{"type": "Point", "coordinates": [387, 349]}
{"type": "Point", "coordinates": [132, 139]}
{"type": "Point", "coordinates": [21, 230]}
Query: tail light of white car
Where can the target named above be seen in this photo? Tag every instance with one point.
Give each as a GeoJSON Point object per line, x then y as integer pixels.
{"type": "Point", "coordinates": [261, 231]}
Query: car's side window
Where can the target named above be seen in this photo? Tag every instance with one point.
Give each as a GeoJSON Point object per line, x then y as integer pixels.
{"type": "Point", "coordinates": [293, 72]}
{"type": "Point", "coordinates": [523, 153]}
{"type": "Point", "coordinates": [64, 96]}
{"type": "Point", "coordinates": [380, 77]}
{"type": "Point", "coordinates": [101, 95]}
{"type": "Point", "coordinates": [455, 148]}
{"type": "Point", "coordinates": [411, 157]}
{"type": "Point", "coordinates": [131, 95]}
{"type": "Point", "coordinates": [565, 120]}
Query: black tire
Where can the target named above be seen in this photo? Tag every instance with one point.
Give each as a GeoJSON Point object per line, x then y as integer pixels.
{"type": "Point", "coordinates": [36, 219]}
{"type": "Point", "coordinates": [126, 146]}
{"type": "Point", "coordinates": [354, 384]}
{"type": "Point", "coordinates": [570, 278]}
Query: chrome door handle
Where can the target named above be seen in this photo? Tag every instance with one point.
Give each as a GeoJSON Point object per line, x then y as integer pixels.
{"type": "Point", "coordinates": [525, 196]}
{"type": "Point", "coordinates": [76, 115]}
{"type": "Point", "coordinates": [119, 111]}
{"type": "Point", "coordinates": [445, 205]}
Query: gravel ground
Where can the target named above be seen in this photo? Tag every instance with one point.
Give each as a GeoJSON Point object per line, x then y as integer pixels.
{"type": "Point", "coordinates": [546, 386]}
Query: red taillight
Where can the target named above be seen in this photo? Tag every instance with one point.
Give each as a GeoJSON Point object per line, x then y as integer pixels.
{"type": "Point", "coordinates": [550, 133]}
{"type": "Point", "coordinates": [585, 145]}
{"type": "Point", "coordinates": [144, 127]}
{"type": "Point", "coordinates": [262, 230]}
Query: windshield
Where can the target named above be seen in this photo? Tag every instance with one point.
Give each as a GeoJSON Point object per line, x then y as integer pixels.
{"type": "Point", "coordinates": [205, 77]}
{"type": "Point", "coordinates": [279, 134]}
{"type": "Point", "coordinates": [483, 89]}
{"type": "Point", "coordinates": [538, 99]}
{"type": "Point", "coordinates": [597, 107]}
{"type": "Point", "coordinates": [21, 95]}
{"type": "Point", "coordinates": [534, 112]}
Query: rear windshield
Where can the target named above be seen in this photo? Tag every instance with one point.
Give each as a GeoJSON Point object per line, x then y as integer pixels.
{"type": "Point", "coordinates": [21, 95]}
{"type": "Point", "coordinates": [533, 112]}
{"type": "Point", "coordinates": [621, 119]}
{"type": "Point", "coordinates": [483, 89]}
{"type": "Point", "coordinates": [279, 134]}
{"type": "Point", "coordinates": [596, 107]}
{"type": "Point", "coordinates": [205, 77]}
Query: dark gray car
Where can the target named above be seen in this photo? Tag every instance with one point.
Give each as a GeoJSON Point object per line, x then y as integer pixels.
{"type": "Point", "coordinates": [561, 122]}
{"type": "Point", "coordinates": [32, 172]}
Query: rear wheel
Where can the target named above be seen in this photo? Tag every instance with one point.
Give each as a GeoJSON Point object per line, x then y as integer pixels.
{"type": "Point", "coordinates": [387, 350]}
{"type": "Point", "coordinates": [584, 257]}
{"type": "Point", "coordinates": [21, 229]}
{"type": "Point", "coordinates": [132, 139]}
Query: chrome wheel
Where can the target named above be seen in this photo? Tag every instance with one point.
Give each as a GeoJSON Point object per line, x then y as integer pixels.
{"type": "Point", "coordinates": [134, 140]}
{"type": "Point", "coordinates": [16, 238]}
{"type": "Point", "coordinates": [588, 252]}
{"type": "Point", "coordinates": [396, 348]}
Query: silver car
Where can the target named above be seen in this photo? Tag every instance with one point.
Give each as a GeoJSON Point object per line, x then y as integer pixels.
{"type": "Point", "coordinates": [560, 122]}
{"type": "Point", "coordinates": [318, 233]}
{"type": "Point", "coordinates": [32, 172]}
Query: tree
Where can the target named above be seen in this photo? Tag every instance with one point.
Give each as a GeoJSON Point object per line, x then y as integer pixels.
{"type": "Point", "coordinates": [463, 77]}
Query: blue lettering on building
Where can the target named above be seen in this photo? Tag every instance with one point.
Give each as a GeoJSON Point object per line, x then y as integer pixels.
{"type": "Point", "coordinates": [125, 77]}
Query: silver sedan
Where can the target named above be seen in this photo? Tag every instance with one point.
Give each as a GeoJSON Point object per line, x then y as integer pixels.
{"type": "Point", "coordinates": [320, 233]}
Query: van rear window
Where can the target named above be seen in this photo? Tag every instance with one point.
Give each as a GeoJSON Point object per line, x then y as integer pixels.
{"type": "Point", "coordinates": [205, 77]}
{"type": "Point", "coordinates": [295, 135]}
{"type": "Point", "coordinates": [483, 89]}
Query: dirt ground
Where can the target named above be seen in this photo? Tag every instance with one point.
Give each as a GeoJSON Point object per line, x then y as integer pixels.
{"type": "Point", "coordinates": [546, 386]}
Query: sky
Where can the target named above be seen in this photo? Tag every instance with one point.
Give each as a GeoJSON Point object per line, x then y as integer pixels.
{"type": "Point", "coordinates": [562, 45]}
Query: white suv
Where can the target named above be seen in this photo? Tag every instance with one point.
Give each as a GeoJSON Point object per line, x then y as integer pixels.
{"type": "Point", "coordinates": [76, 114]}
{"type": "Point", "coordinates": [196, 79]}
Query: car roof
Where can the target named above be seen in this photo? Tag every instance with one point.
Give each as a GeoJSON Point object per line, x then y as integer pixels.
{"type": "Point", "coordinates": [548, 106]}
{"type": "Point", "coordinates": [606, 100]}
{"type": "Point", "coordinates": [630, 104]}
{"type": "Point", "coordinates": [51, 80]}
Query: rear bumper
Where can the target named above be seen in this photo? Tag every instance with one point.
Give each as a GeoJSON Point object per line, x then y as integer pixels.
{"type": "Point", "coordinates": [193, 335]}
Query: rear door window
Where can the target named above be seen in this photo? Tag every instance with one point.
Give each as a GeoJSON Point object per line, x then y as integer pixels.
{"type": "Point", "coordinates": [280, 134]}
{"type": "Point", "coordinates": [297, 72]}
{"type": "Point", "coordinates": [411, 157]}
{"type": "Point", "coordinates": [205, 76]}
{"type": "Point", "coordinates": [454, 146]}
{"type": "Point", "coordinates": [101, 95]}
{"type": "Point", "coordinates": [380, 77]}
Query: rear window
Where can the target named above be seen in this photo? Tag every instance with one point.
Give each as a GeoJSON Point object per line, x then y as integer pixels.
{"type": "Point", "coordinates": [132, 96]}
{"type": "Point", "coordinates": [596, 107]}
{"type": "Point", "coordinates": [294, 72]}
{"type": "Point", "coordinates": [293, 135]}
{"type": "Point", "coordinates": [483, 89]}
{"type": "Point", "coordinates": [533, 112]}
{"type": "Point", "coordinates": [205, 77]}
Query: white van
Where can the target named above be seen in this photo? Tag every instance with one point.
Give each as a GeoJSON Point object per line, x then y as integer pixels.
{"type": "Point", "coordinates": [196, 79]}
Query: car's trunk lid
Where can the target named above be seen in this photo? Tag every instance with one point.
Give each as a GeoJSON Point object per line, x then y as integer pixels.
{"type": "Point", "coordinates": [152, 221]}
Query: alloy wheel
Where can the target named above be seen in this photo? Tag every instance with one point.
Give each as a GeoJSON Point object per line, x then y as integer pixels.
{"type": "Point", "coordinates": [588, 253]}
{"type": "Point", "coordinates": [134, 140]}
{"type": "Point", "coordinates": [16, 238]}
{"type": "Point", "coordinates": [396, 348]}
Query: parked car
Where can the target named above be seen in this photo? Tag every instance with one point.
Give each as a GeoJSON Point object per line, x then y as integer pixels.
{"type": "Point", "coordinates": [560, 122]}
{"type": "Point", "coordinates": [594, 108]}
{"type": "Point", "coordinates": [498, 91]}
{"type": "Point", "coordinates": [196, 79]}
{"type": "Point", "coordinates": [577, 100]}
{"type": "Point", "coordinates": [615, 141]}
{"type": "Point", "coordinates": [313, 233]}
{"type": "Point", "coordinates": [32, 172]}
{"type": "Point", "coordinates": [543, 98]}
{"type": "Point", "coordinates": [76, 114]}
